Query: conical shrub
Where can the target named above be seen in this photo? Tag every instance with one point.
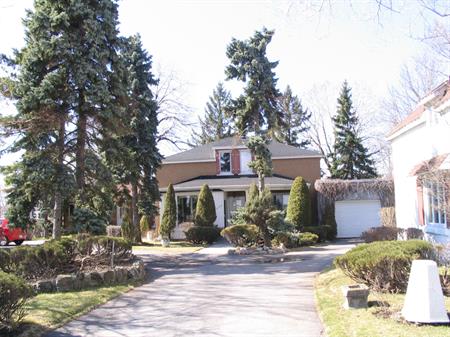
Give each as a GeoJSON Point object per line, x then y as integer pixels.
{"type": "Point", "coordinates": [205, 211]}
{"type": "Point", "coordinates": [299, 204]}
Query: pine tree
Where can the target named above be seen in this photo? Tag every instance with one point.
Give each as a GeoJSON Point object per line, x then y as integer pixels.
{"type": "Point", "coordinates": [262, 163]}
{"type": "Point", "coordinates": [205, 211]}
{"type": "Point", "coordinates": [256, 109]}
{"type": "Point", "coordinates": [169, 217]}
{"type": "Point", "coordinates": [216, 123]}
{"type": "Point", "coordinates": [350, 158]}
{"type": "Point", "coordinates": [295, 124]}
{"type": "Point", "coordinates": [135, 157]}
{"type": "Point", "coordinates": [299, 205]}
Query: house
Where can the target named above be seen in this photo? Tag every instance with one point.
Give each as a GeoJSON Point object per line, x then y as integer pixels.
{"type": "Point", "coordinates": [223, 165]}
{"type": "Point", "coordinates": [421, 163]}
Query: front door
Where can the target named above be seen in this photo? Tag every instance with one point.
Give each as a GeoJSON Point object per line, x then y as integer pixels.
{"type": "Point", "coordinates": [234, 200]}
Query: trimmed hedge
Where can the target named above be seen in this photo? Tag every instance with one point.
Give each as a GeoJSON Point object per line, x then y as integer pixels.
{"type": "Point", "coordinates": [169, 216]}
{"type": "Point", "coordinates": [205, 211]}
{"type": "Point", "coordinates": [241, 235]}
{"type": "Point", "coordinates": [299, 205]}
{"type": "Point", "coordinates": [384, 265]}
{"type": "Point", "coordinates": [308, 239]}
{"type": "Point", "coordinates": [202, 234]}
{"type": "Point", "coordinates": [380, 234]}
{"type": "Point", "coordinates": [14, 293]}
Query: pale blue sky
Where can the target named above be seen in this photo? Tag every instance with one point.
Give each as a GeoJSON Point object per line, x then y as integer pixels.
{"type": "Point", "coordinates": [190, 38]}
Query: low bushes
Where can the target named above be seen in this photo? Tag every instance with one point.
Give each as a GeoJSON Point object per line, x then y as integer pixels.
{"type": "Point", "coordinates": [380, 234]}
{"type": "Point", "coordinates": [103, 246]}
{"type": "Point", "coordinates": [14, 293]}
{"type": "Point", "coordinates": [384, 265]}
{"type": "Point", "coordinates": [202, 234]}
{"type": "Point", "coordinates": [294, 239]}
{"type": "Point", "coordinates": [241, 235]}
{"type": "Point", "coordinates": [308, 239]}
{"type": "Point", "coordinates": [321, 231]}
{"type": "Point", "coordinates": [114, 231]}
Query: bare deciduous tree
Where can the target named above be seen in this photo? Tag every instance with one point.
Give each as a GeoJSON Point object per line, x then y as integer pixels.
{"type": "Point", "coordinates": [174, 115]}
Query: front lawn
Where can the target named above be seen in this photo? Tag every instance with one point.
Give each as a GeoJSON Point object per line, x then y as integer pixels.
{"type": "Point", "coordinates": [381, 319]}
{"type": "Point", "coordinates": [176, 247]}
{"type": "Point", "coordinates": [49, 311]}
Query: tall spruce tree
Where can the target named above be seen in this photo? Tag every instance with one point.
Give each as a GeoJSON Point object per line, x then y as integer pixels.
{"type": "Point", "coordinates": [216, 123]}
{"type": "Point", "coordinates": [139, 156]}
{"type": "Point", "coordinates": [293, 130]}
{"type": "Point", "coordinates": [256, 109]}
{"type": "Point", "coordinates": [350, 158]}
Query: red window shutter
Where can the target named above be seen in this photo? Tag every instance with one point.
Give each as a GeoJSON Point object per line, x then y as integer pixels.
{"type": "Point", "coordinates": [235, 161]}
{"type": "Point", "coordinates": [420, 206]}
{"type": "Point", "coordinates": [217, 162]}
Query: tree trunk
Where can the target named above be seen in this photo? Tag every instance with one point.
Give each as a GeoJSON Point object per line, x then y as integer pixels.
{"type": "Point", "coordinates": [135, 213]}
{"type": "Point", "coordinates": [261, 183]}
{"type": "Point", "coordinates": [57, 218]}
{"type": "Point", "coordinates": [81, 154]}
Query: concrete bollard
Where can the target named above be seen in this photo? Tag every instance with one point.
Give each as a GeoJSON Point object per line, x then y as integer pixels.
{"type": "Point", "coordinates": [424, 301]}
{"type": "Point", "coordinates": [355, 296]}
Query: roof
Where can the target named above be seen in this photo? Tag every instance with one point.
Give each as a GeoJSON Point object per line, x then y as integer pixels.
{"type": "Point", "coordinates": [231, 183]}
{"type": "Point", "coordinates": [435, 163]}
{"type": "Point", "coordinates": [207, 152]}
{"type": "Point", "coordinates": [437, 97]}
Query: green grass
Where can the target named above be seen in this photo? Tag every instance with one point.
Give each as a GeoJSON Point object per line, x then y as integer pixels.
{"type": "Point", "coordinates": [372, 322]}
{"type": "Point", "coordinates": [49, 311]}
{"type": "Point", "coordinates": [176, 247]}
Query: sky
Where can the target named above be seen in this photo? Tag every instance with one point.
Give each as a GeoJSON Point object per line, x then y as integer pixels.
{"type": "Point", "coordinates": [344, 41]}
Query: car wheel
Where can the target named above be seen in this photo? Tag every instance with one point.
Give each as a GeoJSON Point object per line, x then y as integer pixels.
{"type": "Point", "coordinates": [18, 242]}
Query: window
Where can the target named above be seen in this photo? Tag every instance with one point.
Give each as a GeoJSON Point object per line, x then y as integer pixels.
{"type": "Point", "coordinates": [225, 162]}
{"type": "Point", "coordinates": [186, 208]}
{"type": "Point", "coordinates": [246, 158]}
{"type": "Point", "coordinates": [435, 203]}
{"type": "Point", "coordinates": [280, 199]}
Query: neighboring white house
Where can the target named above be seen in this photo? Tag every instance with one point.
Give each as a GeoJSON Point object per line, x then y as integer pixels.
{"type": "Point", "coordinates": [420, 145]}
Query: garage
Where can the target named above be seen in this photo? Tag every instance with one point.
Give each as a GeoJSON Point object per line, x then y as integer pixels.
{"type": "Point", "coordinates": [356, 216]}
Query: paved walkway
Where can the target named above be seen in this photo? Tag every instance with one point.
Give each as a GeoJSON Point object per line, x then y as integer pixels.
{"type": "Point", "coordinates": [223, 296]}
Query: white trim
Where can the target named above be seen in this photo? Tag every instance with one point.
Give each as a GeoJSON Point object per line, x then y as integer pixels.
{"type": "Point", "coordinates": [299, 157]}
{"type": "Point", "coordinates": [188, 161]}
{"type": "Point", "coordinates": [406, 128]}
{"type": "Point", "coordinates": [224, 187]}
{"type": "Point", "coordinates": [229, 147]}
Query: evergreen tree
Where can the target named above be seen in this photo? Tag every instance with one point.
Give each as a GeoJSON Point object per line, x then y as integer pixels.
{"type": "Point", "coordinates": [216, 123]}
{"type": "Point", "coordinates": [296, 118]}
{"type": "Point", "coordinates": [329, 220]}
{"type": "Point", "coordinates": [299, 205]}
{"type": "Point", "coordinates": [256, 109]}
{"type": "Point", "coordinates": [135, 157]}
{"type": "Point", "coordinates": [169, 217]}
{"type": "Point", "coordinates": [262, 164]}
{"type": "Point", "coordinates": [350, 158]}
{"type": "Point", "coordinates": [205, 211]}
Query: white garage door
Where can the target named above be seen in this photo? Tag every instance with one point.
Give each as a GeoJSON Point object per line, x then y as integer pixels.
{"type": "Point", "coordinates": [355, 216]}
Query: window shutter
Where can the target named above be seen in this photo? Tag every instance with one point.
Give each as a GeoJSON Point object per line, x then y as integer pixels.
{"type": "Point", "coordinates": [217, 162]}
{"type": "Point", "coordinates": [235, 161]}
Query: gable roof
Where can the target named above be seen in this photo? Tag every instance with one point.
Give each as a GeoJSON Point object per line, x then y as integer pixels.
{"type": "Point", "coordinates": [437, 97]}
{"type": "Point", "coordinates": [206, 152]}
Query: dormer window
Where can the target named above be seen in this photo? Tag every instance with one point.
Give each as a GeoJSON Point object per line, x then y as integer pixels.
{"type": "Point", "coordinates": [225, 162]}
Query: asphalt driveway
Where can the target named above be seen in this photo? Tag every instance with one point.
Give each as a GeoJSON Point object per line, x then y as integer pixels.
{"type": "Point", "coordinates": [202, 295]}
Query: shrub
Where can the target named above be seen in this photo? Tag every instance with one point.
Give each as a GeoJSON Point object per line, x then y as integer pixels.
{"type": "Point", "coordinates": [413, 233]}
{"type": "Point", "coordinates": [14, 293]}
{"type": "Point", "coordinates": [380, 234]}
{"type": "Point", "coordinates": [169, 217]}
{"type": "Point", "coordinates": [387, 217]}
{"type": "Point", "coordinates": [308, 239]}
{"type": "Point", "coordinates": [329, 220]}
{"type": "Point", "coordinates": [5, 261]}
{"type": "Point", "coordinates": [33, 262]}
{"type": "Point", "coordinates": [241, 235]}
{"type": "Point", "coordinates": [238, 217]}
{"type": "Point", "coordinates": [384, 265]}
{"type": "Point", "coordinates": [205, 211]}
{"type": "Point", "coordinates": [320, 231]}
{"type": "Point", "coordinates": [299, 204]}
{"type": "Point", "coordinates": [202, 234]}
{"type": "Point", "coordinates": [114, 231]}
{"type": "Point", "coordinates": [102, 246]}
{"type": "Point", "coordinates": [287, 239]}
{"type": "Point", "coordinates": [86, 220]}
{"type": "Point", "coordinates": [144, 223]}
{"type": "Point", "coordinates": [276, 222]}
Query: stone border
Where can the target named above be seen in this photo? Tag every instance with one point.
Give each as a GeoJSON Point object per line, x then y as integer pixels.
{"type": "Point", "coordinates": [81, 280]}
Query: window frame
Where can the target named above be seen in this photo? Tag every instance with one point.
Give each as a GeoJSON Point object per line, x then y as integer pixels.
{"type": "Point", "coordinates": [220, 162]}
{"type": "Point", "coordinates": [192, 200]}
{"type": "Point", "coordinates": [435, 212]}
{"type": "Point", "coordinates": [243, 165]}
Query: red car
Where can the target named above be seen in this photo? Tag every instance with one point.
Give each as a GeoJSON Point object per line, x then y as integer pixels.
{"type": "Point", "coordinates": [16, 235]}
